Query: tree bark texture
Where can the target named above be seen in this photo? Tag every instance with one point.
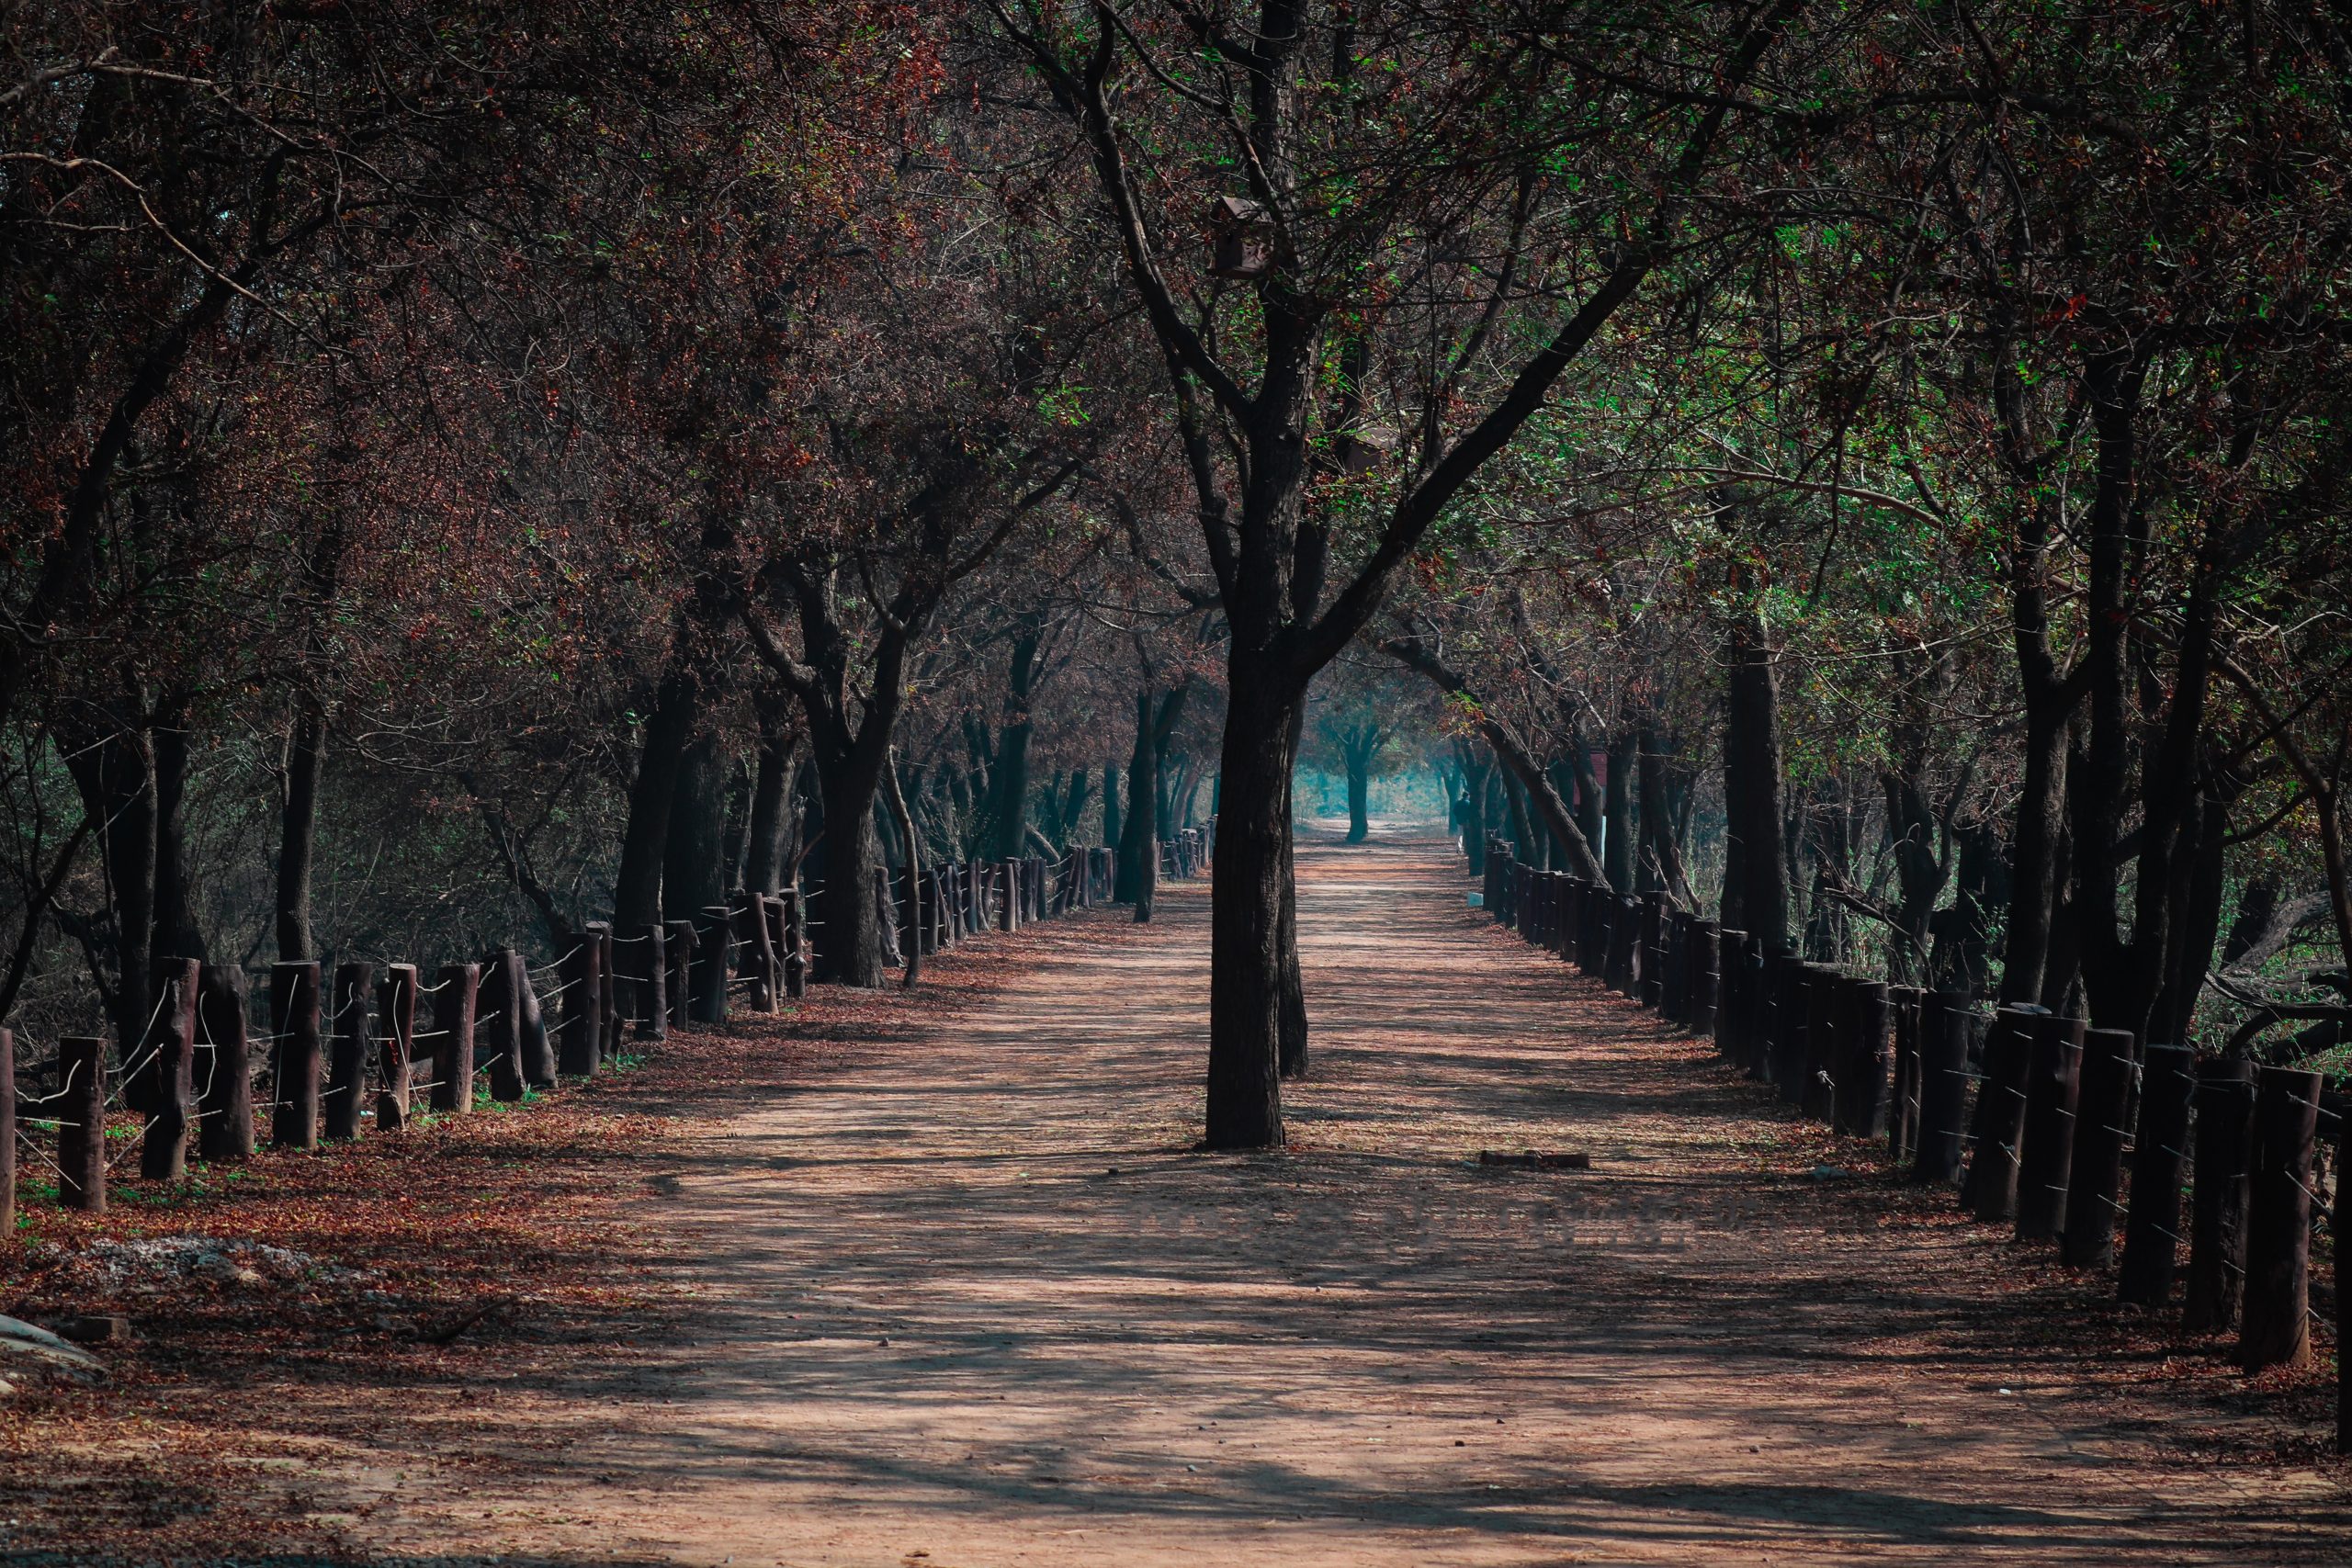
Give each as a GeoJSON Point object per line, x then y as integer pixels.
{"type": "Point", "coordinates": [693, 873]}
{"type": "Point", "coordinates": [645, 839]}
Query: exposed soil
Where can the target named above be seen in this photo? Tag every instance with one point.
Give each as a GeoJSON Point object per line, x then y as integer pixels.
{"type": "Point", "coordinates": [936, 1280]}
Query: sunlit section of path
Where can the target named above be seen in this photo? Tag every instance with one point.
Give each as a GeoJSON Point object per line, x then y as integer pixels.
{"type": "Point", "coordinates": [975, 1305]}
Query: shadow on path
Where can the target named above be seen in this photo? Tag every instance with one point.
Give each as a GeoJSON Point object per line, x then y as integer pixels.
{"type": "Point", "coordinates": [973, 1301]}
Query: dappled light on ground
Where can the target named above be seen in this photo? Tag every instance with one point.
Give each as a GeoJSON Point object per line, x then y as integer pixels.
{"type": "Point", "coordinates": [971, 1297]}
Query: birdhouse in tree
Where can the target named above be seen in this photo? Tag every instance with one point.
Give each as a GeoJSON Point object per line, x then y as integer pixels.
{"type": "Point", "coordinates": [1241, 239]}
{"type": "Point", "coordinates": [1367, 447]}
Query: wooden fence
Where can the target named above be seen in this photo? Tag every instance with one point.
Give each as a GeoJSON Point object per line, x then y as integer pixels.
{"type": "Point", "coordinates": [353, 1043]}
{"type": "Point", "coordinates": [2081, 1138]}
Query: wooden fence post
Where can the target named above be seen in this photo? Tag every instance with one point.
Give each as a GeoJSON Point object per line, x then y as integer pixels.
{"type": "Point", "coordinates": [714, 940]}
{"type": "Point", "coordinates": [1624, 945]}
{"type": "Point", "coordinates": [642, 959]}
{"type": "Point", "coordinates": [294, 1009]}
{"type": "Point", "coordinates": [396, 1001]}
{"type": "Point", "coordinates": [538, 1050]}
{"type": "Point", "coordinates": [226, 1108]}
{"type": "Point", "coordinates": [1669, 965]}
{"type": "Point", "coordinates": [1862, 1086]}
{"type": "Point", "coordinates": [1903, 1018]}
{"type": "Point", "coordinates": [1792, 1019]}
{"type": "Point", "coordinates": [608, 992]}
{"type": "Point", "coordinates": [750, 927]}
{"type": "Point", "coordinates": [2045, 1160]}
{"type": "Point", "coordinates": [791, 920]}
{"type": "Point", "coordinates": [1650, 977]}
{"type": "Point", "coordinates": [1731, 963]}
{"type": "Point", "coordinates": [582, 1026]}
{"type": "Point", "coordinates": [1990, 1193]}
{"type": "Point", "coordinates": [2224, 1151]}
{"type": "Point", "coordinates": [500, 1055]}
{"type": "Point", "coordinates": [1819, 1099]}
{"type": "Point", "coordinates": [454, 993]}
{"type": "Point", "coordinates": [1759, 978]}
{"type": "Point", "coordinates": [678, 943]}
{"type": "Point", "coordinates": [82, 1123]}
{"type": "Point", "coordinates": [2100, 1106]}
{"type": "Point", "coordinates": [596, 936]}
{"type": "Point", "coordinates": [2159, 1152]}
{"type": "Point", "coordinates": [1764, 1015]}
{"type": "Point", "coordinates": [649, 1015]}
{"type": "Point", "coordinates": [1706, 978]}
{"type": "Point", "coordinates": [1944, 1087]}
{"type": "Point", "coordinates": [169, 1088]}
{"type": "Point", "coordinates": [353, 1042]}
{"type": "Point", "coordinates": [779, 923]}
{"type": "Point", "coordinates": [2275, 1328]}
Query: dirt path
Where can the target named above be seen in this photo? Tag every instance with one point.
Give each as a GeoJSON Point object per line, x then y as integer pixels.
{"type": "Point", "coordinates": [970, 1303]}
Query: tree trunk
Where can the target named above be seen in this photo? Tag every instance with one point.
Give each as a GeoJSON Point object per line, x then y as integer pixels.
{"type": "Point", "coordinates": [645, 840]}
{"type": "Point", "coordinates": [297, 831]}
{"type": "Point", "coordinates": [1911, 823]}
{"type": "Point", "coordinates": [913, 870]}
{"type": "Point", "coordinates": [1617, 813]}
{"type": "Point", "coordinates": [2033, 873]}
{"type": "Point", "coordinates": [1473, 810]}
{"type": "Point", "coordinates": [1588, 790]}
{"type": "Point", "coordinates": [2096, 792]}
{"type": "Point", "coordinates": [1246, 975]}
{"type": "Point", "coordinates": [178, 934]}
{"type": "Point", "coordinates": [848, 937]}
{"type": "Point", "coordinates": [1009, 803]}
{"type": "Point", "coordinates": [735, 836]}
{"type": "Point", "coordinates": [1111, 806]}
{"type": "Point", "coordinates": [2062, 970]}
{"type": "Point", "coordinates": [1072, 810]}
{"type": "Point", "coordinates": [115, 776]}
{"type": "Point", "coordinates": [1523, 766]}
{"type": "Point", "coordinates": [1294, 1053]}
{"type": "Point", "coordinates": [1663, 855]}
{"type": "Point", "coordinates": [1358, 742]}
{"type": "Point", "coordinates": [1139, 876]}
{"type": "Point", "coordinates": [1522, 836]}
{"type": "Point", "coordinates": [2173, 812]}
{"type": "Point", "coordinates": [693, 874]}
{"type": "Point", "coordinates": [1961, 963]}
{"type": "Point", "coordinates": [2197, 871]}
{"type": "Point", "coordinates": [1752, 805]}
{"type": "Point", "coordinates": [764, 857]}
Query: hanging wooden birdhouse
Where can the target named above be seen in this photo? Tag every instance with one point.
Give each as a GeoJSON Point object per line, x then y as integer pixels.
{"type": "Point", "coordinates": [1241, 239]}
